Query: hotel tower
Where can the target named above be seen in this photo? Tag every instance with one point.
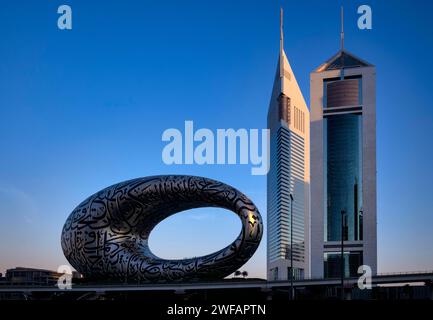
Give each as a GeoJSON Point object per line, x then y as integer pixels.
{"type": "Point", "coordinates": [343, 166]}
{"type": "Point", "coordinates": [288, 202]}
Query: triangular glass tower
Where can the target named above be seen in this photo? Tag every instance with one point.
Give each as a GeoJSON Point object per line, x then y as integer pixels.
{"type": "Point", "coordinates": [288, 178]}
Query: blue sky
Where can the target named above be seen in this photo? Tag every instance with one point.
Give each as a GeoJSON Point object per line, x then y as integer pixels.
{"type": "Point", "coordinates": [86, 108]}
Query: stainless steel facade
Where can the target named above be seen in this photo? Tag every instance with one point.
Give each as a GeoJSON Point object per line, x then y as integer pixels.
{"type": "Point", "coordinates": [106, 236]}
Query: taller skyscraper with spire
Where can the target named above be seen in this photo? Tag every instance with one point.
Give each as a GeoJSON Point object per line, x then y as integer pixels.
{"type": "Point", "coordinates": [288, 199]}
{"type": "Point", "coordinates": [343, 165]}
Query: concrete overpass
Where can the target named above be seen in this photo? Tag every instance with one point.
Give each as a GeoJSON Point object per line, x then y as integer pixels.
{"type": "Point", "coordinates": [425, 278]}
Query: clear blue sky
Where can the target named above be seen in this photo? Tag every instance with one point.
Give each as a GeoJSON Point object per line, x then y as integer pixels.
{"type": "Point", "coordinates": [83, 109]}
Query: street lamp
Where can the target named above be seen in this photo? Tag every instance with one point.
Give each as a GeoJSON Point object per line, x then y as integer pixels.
{"type": "Point", "coordinates": [291, 247]}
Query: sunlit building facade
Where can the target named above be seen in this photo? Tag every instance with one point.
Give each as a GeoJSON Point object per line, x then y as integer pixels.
{"type": "Point", "coordinates": [343, 166]}
{"type": "Point", "coordinates": [288, 177]}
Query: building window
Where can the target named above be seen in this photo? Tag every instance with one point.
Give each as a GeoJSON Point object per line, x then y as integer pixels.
{"type": "Point", "coordinates": [284, 108]}
{"type": "Point", "coordinates": [339, 93]}
{"type": "Point", "coordinates": [275, 273]}
{"type": "Point", "coordinates": [332, 264]}
{"type": "Point", "coordinates": [298, 119]}
{"type": "Point", "coordinates": [298, 273]}
{"type": "Point", "coordinates": [343, 177]}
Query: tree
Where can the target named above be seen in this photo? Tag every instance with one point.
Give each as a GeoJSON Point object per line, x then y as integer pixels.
{"type": "Point", "coordinates": [244, 273]}
{"type": "Point", "coordinates": [237, 273]}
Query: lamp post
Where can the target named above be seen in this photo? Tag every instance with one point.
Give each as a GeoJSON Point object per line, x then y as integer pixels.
{"type": "Point", "coordinates": [291, 247]}
{"type": "Point", "coordinates": [343, 214]}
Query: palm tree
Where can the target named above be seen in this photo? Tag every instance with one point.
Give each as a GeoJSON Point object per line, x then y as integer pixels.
{"type": "Point", "coordinates": [244, 273]}
{"type": "Point", "coordinates": [237, 273]}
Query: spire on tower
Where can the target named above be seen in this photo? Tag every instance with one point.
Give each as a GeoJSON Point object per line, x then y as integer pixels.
{"type": "Point", "coordinates": [281, 44]}
{"type": "Point", "coordinates": [342, 44]}
{"type": "Point", "coordinates": [342, 28]}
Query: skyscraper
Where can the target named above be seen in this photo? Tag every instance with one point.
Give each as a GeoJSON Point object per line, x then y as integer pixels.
{"type": "Point", "coordinates": [289, 175]}
{"type": "Point", "coordinates": [343, 165]}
